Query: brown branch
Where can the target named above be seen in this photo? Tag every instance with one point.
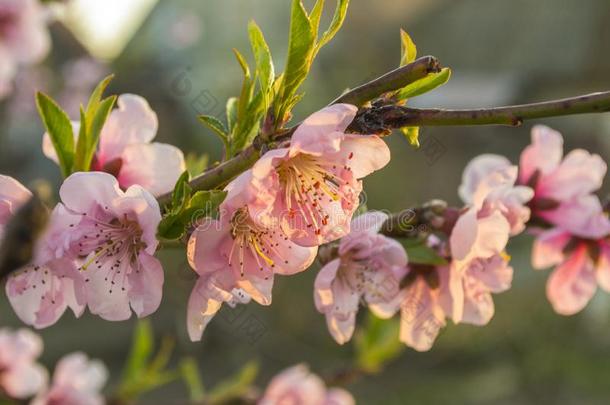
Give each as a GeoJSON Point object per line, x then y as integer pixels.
{"type": "Point", "coordinates": [385, 118]}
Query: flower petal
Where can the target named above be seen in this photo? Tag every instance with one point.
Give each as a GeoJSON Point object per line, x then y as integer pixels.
{"type": "Point", "coordinates": [420, 318]}
{"type": "Point", "coordinates": [146, 285]}
{"type": "Point", "coordinates": [322, 131]}
{"type": "Point", "coordinates": [154, 166]}
{"type": "Point", "coordinates": [543, 155]}
{"type": "Point", "coordinates": [476, 171]}
{"type": "Point", "coordinates": [548, 248]}
{"type": "Point", "coordinates": [572, 284]}
{"type": "Point", "coordinates": [134, 122]}
{"type": "Point", "coordinates": [84, 193]}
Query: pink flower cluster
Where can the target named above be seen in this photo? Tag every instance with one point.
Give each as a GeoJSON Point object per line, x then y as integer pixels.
{"type": "Point", "coordinates": [276, 214]}
{"type": "Point", "coordinates": [76, 380]}
{"type": "Point", "coordinates": [98, 249]}
{"type": "Point", "coordinates": [297, 385]}
{"type": "Point", "coordinates": [373, 269]}
{"type": "Point", "coordinates": [570, 224]}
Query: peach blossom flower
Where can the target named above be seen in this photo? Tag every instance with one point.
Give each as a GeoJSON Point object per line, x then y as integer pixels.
{"type": "Point", "coordinates": [20, 376]}
{"type": "Point", "coordinates": [237, 253]}
{"type": "Point", "coordinates": [563, 185]}
{"type": "Point", "coordinates": [369, 269]}
{"type": "Point", "coordinates": [112, 234]}
{"type": "Point", "coordinates": [317, 177]}
{"type": "Point", "coordinates": [76, 381]}
{"type": "Point", "coordinates": [298, 386]}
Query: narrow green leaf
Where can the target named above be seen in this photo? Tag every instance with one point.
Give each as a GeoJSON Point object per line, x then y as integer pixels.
{"type": "Point", "coordinates": [140, 353]}
{"type": "Point", "coordinates": [192, 378]}
{"type": "Point", "coordinates": [412, 135]}
{"type": "Point", "coordinates": [95, 124]}
{"type": "Point", "coordinates": [219, 129]}
{"type": "Point", "coordinates": [236, 385]}
{"type": "Point", "coordinates": [81, 144]}
{"type": "Point", "coordinates": [409, 50]}
{"type": "Point", "coordinates": [59, 128]}
{"type": "Point", "coordinates": [262, 56]}
{"type": "Point", "coordinates": [179, 195]}
{"type": "Point", "coordinates": [335, 25]}
{"type": "Point", "coordinates": [428, 83]}
{"type": "Point", "coordinates": [316, 15]}
{"type": "Point", "coordinates": [232, 106]}
{"type": "Point", "coordinates": [301, 45]}
{"type": "Point", "coordinates": [96, 96]}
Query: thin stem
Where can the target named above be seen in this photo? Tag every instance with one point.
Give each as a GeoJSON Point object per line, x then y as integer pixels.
{"type": "Point", "coordinates": [386, 118]}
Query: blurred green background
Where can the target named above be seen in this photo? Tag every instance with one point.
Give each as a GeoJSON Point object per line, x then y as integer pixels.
{"type": "Point", "coordinates": [501, 52]}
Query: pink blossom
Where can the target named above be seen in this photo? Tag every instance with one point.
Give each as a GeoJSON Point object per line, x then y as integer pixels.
{"type": "Point", "coordinates": [488, 183]}
{"type": "Point", "coordinates": [247, 253]}
{"type": "Point", "coordinates": [369, 268]}
{"type": "Point", "coordinates": [477, 242]}
{"type": "Point", "coordinates": [112, 233]}
{"type": "Point", "coordinates": [126, 149]}
{"type": "Point", "coordinates": [12, 196]}
{"type": "Point", "coordinates": [76, 381]}
{"type": "Point", "coordinates": [317, 177]}
{"type": "Point", "coordinates": [563, 187]}
{"type": "Point", "coordinates": [298, 386]}
{"type": "Point", "coordinates": [205, 301]}
{"type": "Point", "coordinates": [42, 291]}
{"type": "Point", "coordinates": [582, 263]}
{"type": "Point", "coordinates": [24, 38]}
{"type": "Point", "coordinates": [460, 289]}
{"type": "Point", "coordinates": [423, 305]}
{"type": "Point", "coordinates": [20, 376]}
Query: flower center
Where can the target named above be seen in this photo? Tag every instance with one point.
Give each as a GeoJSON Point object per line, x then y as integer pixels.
{"type": "Point", "coordinates": [309, 184]}
{"type": "Point", "coordinates": [112, 246]}
{"type": "Point", "coordinates": [250, 237]}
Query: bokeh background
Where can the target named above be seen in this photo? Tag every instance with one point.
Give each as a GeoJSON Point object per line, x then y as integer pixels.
{"type": "Point", "coordinates": [501, 52]}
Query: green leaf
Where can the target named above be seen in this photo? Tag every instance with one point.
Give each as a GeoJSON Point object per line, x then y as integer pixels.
{"type": "Point", "coordinates": [96, 96]}
{"type": "Point", "coordinates": [191, 376]}
{"type": "Point", "coordinates": [141, 351]}
{"type": "Point", "coordinates": [219, 129]}
{"type": "Point", "coordinates": [202, 204]}
{"type": "Point", "coordinates": [316, 15]}
{"type": "Point", "coordinates": [232, 106]}
{"type": "Point", "coordinates": [59, 128]}
{"type": "Point", "coordinates": [421, 253]}
{"type": "Point", "coordinates": [81, 144]}
{"type": "Point", "coordinates": [187, 210]}
{"type": "Point", "coordinates": [95, 126]}
{"type": "Point", "coordinates": [377, 343]}
{"type": "Point", "coordinates": [335, 25]}
{"type": "Point", "coordinates": [262, 56]}
{"type": "Point", "coordinates": [301, 46]}
{"type": "Point", "coordinates": [236, 386]}
{"type": "Point", "coordinates": [409, 50]}
{"type": "Point", "coordinates": [412, 135]}
{"type": "Point", "coordinates": [428, 83]}
{"type": "Point", "coordinates": [141, 374]}
{"type": "Point", "coordinates": [181, 193]}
